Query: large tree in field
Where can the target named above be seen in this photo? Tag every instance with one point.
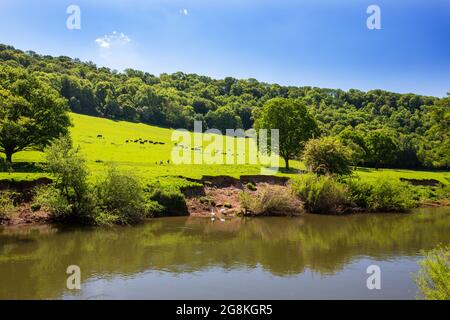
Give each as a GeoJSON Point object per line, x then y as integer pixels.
{"type": "Point", "coordinates": [31, 112]}
{"type": "Point", "coordinates": [294, 122]}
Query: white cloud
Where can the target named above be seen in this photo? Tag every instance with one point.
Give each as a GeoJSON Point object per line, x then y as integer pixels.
{"type": "Point", "coordinates": [113, 39]}
{"type": "Point", "coordinates": [184, 12]}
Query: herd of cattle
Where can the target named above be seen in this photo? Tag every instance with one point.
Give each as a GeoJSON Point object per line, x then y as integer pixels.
{"type": "Point", "coordinates": [140, 140]}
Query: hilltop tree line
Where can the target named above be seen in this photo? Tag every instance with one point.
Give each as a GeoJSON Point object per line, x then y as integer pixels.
{"type": "Point", "coordinates": [388, 129]}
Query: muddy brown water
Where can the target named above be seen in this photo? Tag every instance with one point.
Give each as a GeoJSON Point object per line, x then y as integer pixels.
{"type": "Point", "coordinates": [308, 257]}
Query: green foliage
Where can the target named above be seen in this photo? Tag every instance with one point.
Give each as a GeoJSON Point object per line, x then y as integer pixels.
{"type": "Point", "coordinates": [321, 194]}
{"type": "Point", "coordinates": [119, 199]}
{"type": "Point", "coordinates": [354, 139]}
{"type": "Point", "coordinates": [382, 148]}
{"type": "Point", "coordinates": [51, 200]}
{"type": "Point", "coordinates": [294, 122]}
{"type": "Point", "coordinates": [223, 118]}
{"type": "Point", "coordinates": [116, 198]}
{"type": "Point", "coordinates": [6, 205]}
{"type": "Point", "coordinates": [71, 177]}
{"type": "Point", "coordinates": [433, 278]}
{"type": "Point", "coordinates": [171, 202]}
{"type": "Point", "coordinates": [32, 113]}
{"type": "Point", "coordinates": [435, 149]}
{"type": "Point", "coordinates": [328, 155]}
{"type": "Point", "coordinates": [176, 100]}
{"type": "Point", "coordinates": [381, 195]}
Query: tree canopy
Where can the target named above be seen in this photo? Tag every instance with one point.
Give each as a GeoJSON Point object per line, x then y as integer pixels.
{"type": "Point", "coordinates": [31, 112]}
{"type": "Point", "coordinates": [294, 122]}
{"type": "Point", "coordinates": [176, 100]}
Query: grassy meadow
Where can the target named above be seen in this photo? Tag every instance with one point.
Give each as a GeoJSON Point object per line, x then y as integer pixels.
{"type": "Point", "coordinates": [143, 160]}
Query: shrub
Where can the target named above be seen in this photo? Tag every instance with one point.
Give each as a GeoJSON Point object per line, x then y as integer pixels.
{"type": "Point", "coordinates": [171, 201]}
{"type": "Point", "coordinates": [359, 192]}
{"type": "Point", "coordinates": [51, 200]}
{"type": "Point", "coordinates": [321, 194]}
{"type": "Point", "coordinates": [381, 195]}
{"type": "Point", "coordinates": [6, 205]}
{"type": "Point", "coordinates": [270, 201]}
{"type": "Point", "coordinates": [71, 175]}
{"type": "Point", "coordinates": [119, 199]}
{"type": "Point", "coordinates": [328, 156]}
{"type": "Point", "coordinates": [433, 279]}
{"type": "Point", "coordinates": [246, 201]}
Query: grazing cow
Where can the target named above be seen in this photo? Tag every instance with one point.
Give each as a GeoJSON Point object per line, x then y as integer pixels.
{"type": "Point", "coordinates": [126, 141]}
{"type": "Point", "coordinates": [136, 141]}
{"type": "Point", "coordinates": [99, 136]}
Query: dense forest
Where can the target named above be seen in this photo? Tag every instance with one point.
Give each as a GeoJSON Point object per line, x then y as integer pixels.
{"type": "Point", "coordinates": [411, 130]}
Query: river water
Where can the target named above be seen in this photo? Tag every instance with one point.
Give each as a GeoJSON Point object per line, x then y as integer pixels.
{"type": "Point", "coordinates": [310, 257]}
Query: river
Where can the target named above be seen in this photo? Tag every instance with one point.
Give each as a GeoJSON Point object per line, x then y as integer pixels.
{"type": "Point", "coordinates": [308, 257]}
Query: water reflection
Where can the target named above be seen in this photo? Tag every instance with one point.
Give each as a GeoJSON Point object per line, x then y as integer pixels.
{"type": "Point", "coordinates": [33, 260]}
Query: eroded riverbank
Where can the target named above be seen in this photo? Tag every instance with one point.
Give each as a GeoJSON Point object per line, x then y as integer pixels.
{"type": "Point", "coordinates": [216, 197]}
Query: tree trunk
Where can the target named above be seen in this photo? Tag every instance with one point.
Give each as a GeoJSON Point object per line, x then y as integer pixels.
{"type": "Point", "coordinates": [286, 161]}
{"type": "Point", "coordinates": [9, 155]}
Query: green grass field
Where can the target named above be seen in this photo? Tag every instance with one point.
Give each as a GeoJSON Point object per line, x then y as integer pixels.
{"type": "Point", "coordinates": [143, 159]}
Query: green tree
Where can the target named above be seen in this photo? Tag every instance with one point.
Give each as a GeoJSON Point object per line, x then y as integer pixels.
{"type": "Point", "coordinates": [31, 114]}
{"type": "Point", "coordinates": [294, 122]}
{"type": "Point", "coordinates": [382, 148]}
{"type": "Point", "coordinates": [223, 118]}
{"type": "Point", "coordinates": [354, 139]}
{"type": "Point", "coordinates": [328, 155]}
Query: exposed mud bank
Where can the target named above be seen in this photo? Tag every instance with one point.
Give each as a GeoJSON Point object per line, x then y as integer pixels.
{"type": "Point", "coordinates": [25, 215]}
{"type": "Point", "coordinates": [22, 196]}
{"type": "Point", "coordinates": [223, 202]}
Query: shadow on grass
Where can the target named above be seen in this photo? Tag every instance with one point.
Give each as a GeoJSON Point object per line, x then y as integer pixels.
{"type": "Point", "coordinates": [23, 167]}
{"type": "Point", "coordinates": [291, 170]}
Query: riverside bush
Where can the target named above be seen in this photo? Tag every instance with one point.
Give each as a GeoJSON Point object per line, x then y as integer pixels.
{"type": "Point", "coordinates": [50, 199]}
{"type": "Point", "coordinates": [271, 200]}
{"type": "Point", "coordinates": [71, 198]}
{"type": "Point", "coordinates": [119, 199]}
{"type": "Point", "coordinates": [321, 194]}
{"type": "Point", "coordinates": [381, 195]}
{"type": "Point", "coordinates": [171, 202]}
{"type": "Point", "coordinates": [433, 278]}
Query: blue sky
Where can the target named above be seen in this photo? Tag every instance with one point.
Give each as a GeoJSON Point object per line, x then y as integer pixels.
{"type": "Point", "coordinates": [311, 42]}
